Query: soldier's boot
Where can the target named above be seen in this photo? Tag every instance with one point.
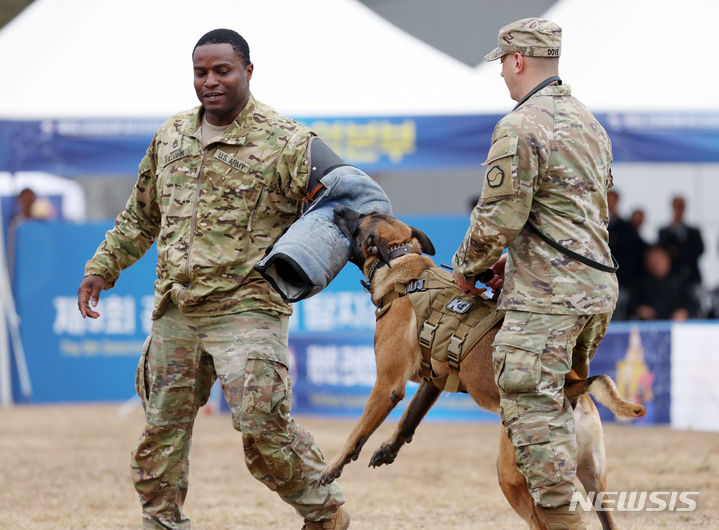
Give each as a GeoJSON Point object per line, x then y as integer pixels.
{"type": "Point", "coordinates": [339, 520]}
{"type": "Point", "coordinates": [561, 518]}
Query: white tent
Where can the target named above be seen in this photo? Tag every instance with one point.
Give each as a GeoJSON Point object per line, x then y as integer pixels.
{"type": "Point", "coordinates": [636, 55]}
{"type": "Point", "coordinates": [83, 58]}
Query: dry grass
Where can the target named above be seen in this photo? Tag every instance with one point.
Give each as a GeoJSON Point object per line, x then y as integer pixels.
{"type": "Point", "coordinates": [66, 467]}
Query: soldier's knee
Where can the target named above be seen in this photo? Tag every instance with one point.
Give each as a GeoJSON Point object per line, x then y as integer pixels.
{"type": "Point", "coordinates": [265, 403]}
{"type": "Point", "coordinates": [535, 453]}
{"type": "Point", "coordinates": [159, 460]}
{"type": "Point", "coordinates": [158, 444]}
{"type": "Point", "coordinates": [273, 459]}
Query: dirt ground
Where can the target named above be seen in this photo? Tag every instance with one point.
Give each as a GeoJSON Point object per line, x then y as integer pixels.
{"type": "Point", "coordinates": [66, 467]}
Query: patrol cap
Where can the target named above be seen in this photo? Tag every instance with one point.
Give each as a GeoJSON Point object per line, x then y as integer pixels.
{"type": "Point", "coordinates": [534, 37]}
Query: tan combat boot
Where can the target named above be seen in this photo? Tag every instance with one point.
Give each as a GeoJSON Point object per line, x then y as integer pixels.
{"type": "Point", "coordinates": [339, 520]}
{"type": "Point", "coordinates": [561, 518]}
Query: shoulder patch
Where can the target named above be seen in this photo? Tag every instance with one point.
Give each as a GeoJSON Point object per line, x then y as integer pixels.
{"type": "Point", "coordinates": [501, 168]}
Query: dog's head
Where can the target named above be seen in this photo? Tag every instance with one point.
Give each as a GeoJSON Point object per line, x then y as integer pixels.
{"type": "Point", "coordinates": [374, 234]}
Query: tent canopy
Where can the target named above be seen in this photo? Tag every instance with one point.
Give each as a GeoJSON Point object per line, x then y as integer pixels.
{"type": "Point", "coordinates": [91, 81]}
{"type": "Point", "coordinates": [83, 58]}
{"type": "Point", "coordinates": [640, 56]}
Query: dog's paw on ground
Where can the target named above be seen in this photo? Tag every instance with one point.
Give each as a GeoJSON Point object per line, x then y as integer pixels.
{"type": "Point", "coordinates": [384, 455]}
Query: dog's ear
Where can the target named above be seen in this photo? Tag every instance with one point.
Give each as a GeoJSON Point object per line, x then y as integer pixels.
{"type": "Point", "coordinates": [380, 248]}
{"type": "Point", "coordinates": [346, 220]}
{"type": "Point", "coordinates": [424, 241]}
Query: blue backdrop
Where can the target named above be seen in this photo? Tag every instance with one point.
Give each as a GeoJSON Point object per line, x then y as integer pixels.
{"type": "Point", "coordinates": [331, 337]}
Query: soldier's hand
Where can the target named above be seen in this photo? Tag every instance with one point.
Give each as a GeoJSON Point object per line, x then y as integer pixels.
{"type": "Point", "coordinates": [89, 291]}
{"type": "Point", "coordinates": [497, 281]}
{"type": "Point", "coordinates": [466, 285]}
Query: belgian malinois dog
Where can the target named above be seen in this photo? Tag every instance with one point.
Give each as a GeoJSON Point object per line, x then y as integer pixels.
{"type": "Point", "coordinates": [374, 239]}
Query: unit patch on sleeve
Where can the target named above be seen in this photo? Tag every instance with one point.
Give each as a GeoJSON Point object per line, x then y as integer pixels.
{"type": "Point", "coordinates": [499, 177]}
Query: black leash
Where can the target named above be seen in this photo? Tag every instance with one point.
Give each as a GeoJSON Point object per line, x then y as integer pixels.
{"type": "Point", "coordinates": [572, 254]}
{"type": "Point", "coordinates": [545, 237]}
{"type": "Point", "coordinates": [484, 276]}
{"type": "Point", "coordinates": [540, 86]}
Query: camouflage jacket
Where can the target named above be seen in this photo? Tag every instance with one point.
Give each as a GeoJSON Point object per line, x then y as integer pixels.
{"type": "Point", "coordinates": [213, 211]}
{"type": "Point", "coordinates": [549, 163]}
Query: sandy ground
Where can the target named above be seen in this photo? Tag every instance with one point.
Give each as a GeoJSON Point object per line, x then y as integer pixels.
{"type": "Point", "coordinates": [66, 467]}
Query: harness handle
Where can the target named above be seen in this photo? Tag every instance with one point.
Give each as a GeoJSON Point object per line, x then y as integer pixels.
{"type": "Point", "coordinates": [484, 276]}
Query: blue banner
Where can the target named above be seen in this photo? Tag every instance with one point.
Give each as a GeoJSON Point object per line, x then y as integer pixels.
{"type": "Point", "coordinates": [71, 359]}
{"type": "Point", "coordinates": [331, 334]}
{"type": "Point", "coordinates": [333, 374]}
{"type": "Point", "coordinates": [92, 147]}
{"type": "Point", "coordinates": [663, 136]}
{"type": "Point", "coordinates": [638, 358]}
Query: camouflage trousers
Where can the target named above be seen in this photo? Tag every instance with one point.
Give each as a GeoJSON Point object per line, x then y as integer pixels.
{"type": "Point", "coordinates": [532, 354]}
{"type": "Point", "coordinates": [248, 353]}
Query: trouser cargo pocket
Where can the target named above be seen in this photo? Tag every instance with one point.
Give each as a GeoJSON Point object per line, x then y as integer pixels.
{"type": "Point", "coordinates": [141, 373]}
{"type": "Point", "coordinates": [517, 355]}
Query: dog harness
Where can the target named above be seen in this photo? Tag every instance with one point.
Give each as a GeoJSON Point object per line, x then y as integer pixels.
{"type": "Point", "coordinates": [449, 322]}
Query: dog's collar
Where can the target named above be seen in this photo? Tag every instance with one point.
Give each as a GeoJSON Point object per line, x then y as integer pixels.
{"type": "Point", "coordinates": [392, 253]}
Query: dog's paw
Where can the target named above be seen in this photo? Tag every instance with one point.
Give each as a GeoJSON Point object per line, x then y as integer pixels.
{"type": "Point", "coordinates": [329, 475]}
{"type": "Point", "coordinates": [639, 411]}
{"type": "Point", "coordinates": [384, 455]}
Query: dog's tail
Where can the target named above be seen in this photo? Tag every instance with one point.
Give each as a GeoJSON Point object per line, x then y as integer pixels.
{"type": "Point", "coordinates": [605, 391]}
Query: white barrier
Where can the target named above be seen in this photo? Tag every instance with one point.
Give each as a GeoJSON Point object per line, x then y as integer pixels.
{"type": "Point", "coordinates": [695, 365]}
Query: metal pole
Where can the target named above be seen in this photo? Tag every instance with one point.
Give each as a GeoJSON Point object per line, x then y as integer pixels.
{"type": "Point", "coordinates": [10, 319]}
{"type": "Point", "coordinates": [5, 380]}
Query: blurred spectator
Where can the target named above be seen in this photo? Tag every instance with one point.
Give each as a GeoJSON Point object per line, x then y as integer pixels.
{"type": "Point", "coordinates": [661, 295]}
{"type": "Point", "coordinates": [29, 206]}
{"type": "Point", "coordinates": [712, 308]}
{"type": "Point", "coordinates": [25, 199]}
{"type": "Point", "coordinates": [684, 244]}
{"type": "Point", "coordinates": [628, 248]}
{"type": "Point", "coordinates": [637, 220]}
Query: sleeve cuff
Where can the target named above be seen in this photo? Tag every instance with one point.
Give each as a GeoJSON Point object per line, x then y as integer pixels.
{"type": "Point", "coordinates": [95, 269]}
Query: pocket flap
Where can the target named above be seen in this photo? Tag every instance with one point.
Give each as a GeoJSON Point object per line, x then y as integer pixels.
{"type": "Point", "coordinates": [538, 434]}
{"type": "Point", "coordinates": [529, 340]}
{"type": "Point", "coordinates": [503, 147]}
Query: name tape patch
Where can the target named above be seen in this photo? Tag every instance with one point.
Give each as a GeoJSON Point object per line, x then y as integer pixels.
{"type": "Point", "coordinates": [180, 153]}
{"type": "Point", "coordinates": [231, 161]}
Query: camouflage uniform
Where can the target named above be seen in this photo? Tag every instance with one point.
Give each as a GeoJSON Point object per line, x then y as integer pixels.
{"type": "Point", "coordinates": [214, 211]}
{"type": "Point", "coordinates": [549, 163]}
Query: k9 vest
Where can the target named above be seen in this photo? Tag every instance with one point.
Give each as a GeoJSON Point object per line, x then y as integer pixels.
{"type": "Point", "coordinates": [449, 322]}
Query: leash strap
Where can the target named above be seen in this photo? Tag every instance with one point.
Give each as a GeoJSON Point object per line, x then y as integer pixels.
{"type": "Point", "coordinates": [545, 237]}
{"type": "Point", "coordinates": [540, 86]}
{"type": "Point", "coordinates": [572, 254]}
